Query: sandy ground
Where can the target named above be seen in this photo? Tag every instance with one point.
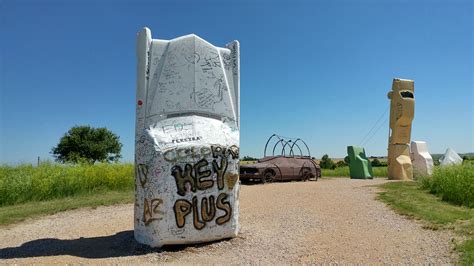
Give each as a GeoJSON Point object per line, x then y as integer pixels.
{"type": "Point", "coordinates": [328, 221]}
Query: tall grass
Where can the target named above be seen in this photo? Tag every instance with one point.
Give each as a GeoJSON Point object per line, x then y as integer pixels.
{"type": "Point", "coordinates": [23, 183]}
{"type": "Point", "coordinates": [338, 171]}
{"type": "Point", "coordinates": [344, 171]}
{"type": "Point", "coordinates": [454, 184]}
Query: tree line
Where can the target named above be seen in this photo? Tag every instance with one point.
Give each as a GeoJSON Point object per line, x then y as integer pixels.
{"type": "Point", "coordinates": [86, 144]}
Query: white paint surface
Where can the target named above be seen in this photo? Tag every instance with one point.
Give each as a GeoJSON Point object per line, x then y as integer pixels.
{"type": "Point", "coordinates": [421, 159]}
{"type": "Point", "coordinates": [187, 126]}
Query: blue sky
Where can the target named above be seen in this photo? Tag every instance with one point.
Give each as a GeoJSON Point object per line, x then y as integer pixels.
{"type": "Point", "coordinates": [318, 70]}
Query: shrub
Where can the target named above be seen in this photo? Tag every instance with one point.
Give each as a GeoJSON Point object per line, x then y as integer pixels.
{"type": "Point", "coordinates": [454, 183]}
{"type": "Point", "coordinates": [377, 163]}
{"type": "Point", "coordinates": [347, 159]}
{"type": "Point", "coordinates": [341, 164]}
{"type": "Point", "coordinates": [248, 158]}
{"type": "Point", "coordinates": [327, 163]}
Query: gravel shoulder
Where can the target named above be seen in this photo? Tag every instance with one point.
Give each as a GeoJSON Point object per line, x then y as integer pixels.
{"type": "Point", "coordinates": [329, 221]}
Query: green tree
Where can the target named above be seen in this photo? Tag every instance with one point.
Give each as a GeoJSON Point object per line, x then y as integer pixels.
{"type": "Point", "coordinates": [327, 163]}
{"type": "Point", "coordinates": [85, 143]}
{"type": "Point", "coordinates": [248, 158]}
{"type": "Point", "coordinates": [341, 164]}
{"type": "Point", "coordinates": [375, 163]}
{"type": "Point", "coordinates": [347, 159]}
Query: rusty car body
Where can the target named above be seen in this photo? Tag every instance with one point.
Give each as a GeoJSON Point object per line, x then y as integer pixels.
{"type": "Point", "coordinates": [282, 167]}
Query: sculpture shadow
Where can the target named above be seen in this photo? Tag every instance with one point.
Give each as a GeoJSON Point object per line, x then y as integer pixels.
{"type": "Point", "coordinates": [119, 245]}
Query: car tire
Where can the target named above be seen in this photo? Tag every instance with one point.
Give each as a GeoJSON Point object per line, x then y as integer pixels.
{"type": "Point", "coordinates": [305, 174]}
{"type": "Point", "coordinates": [268, 177]}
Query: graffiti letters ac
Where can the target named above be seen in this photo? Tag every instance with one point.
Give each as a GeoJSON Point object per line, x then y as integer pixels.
{"type": "Point", "coordinates": [151, 210]}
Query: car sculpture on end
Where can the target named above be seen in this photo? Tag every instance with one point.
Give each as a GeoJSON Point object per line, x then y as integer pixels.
{"type": "Point", "coordinates": [283, 167]}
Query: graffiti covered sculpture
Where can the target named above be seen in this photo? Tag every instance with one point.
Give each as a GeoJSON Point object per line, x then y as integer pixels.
{"type": "Point", "coordinates": [421, 159]}
{"type": "Point", "coordinates": [187, 140]}
{"type": "Point", "coordinates": [359, 165]}
{"type": "Point", "coordinates": [402, 111]}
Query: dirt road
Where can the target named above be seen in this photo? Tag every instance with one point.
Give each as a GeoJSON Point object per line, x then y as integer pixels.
{"type": "Point", "coordinates": [329, 221]}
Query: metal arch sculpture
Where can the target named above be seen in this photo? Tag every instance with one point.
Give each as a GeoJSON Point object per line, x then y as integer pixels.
{"type": "Point", "coordinates": [283, 149]}
{"type": "Point", "coordinates": [268, 141]}
{"type": "Point", "coordinates": [295, 143]}
{"type": "Point", "coordinates": [274, 146]}
{"type": "Point", "coordinates": [292, 153]}
{"type": "Point", "coordinates": [291, 148]}
{"type": "Point", "coordinates": [307, 148]}
{"type": "Point", "coordinates": [282, 153]}
{"type": "Point", "coordinates": [288, 143]}
{"type": "Point", "coordinates": [265, 150]}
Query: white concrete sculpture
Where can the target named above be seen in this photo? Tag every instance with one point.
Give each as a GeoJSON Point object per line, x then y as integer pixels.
{"type": "Point", "coordinates": [450, 157]}
{"type": "Point", "coordinates": [421, 159]}
{"type": "Point", "coordinates": [187, 140]}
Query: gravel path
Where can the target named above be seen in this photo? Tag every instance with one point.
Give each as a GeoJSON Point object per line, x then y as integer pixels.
{"type": "Point", "coordinates": [329, 221]}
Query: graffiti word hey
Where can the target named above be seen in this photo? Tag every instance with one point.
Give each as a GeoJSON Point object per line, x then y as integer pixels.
{"type": "Point", "coordinates": [198, 176]}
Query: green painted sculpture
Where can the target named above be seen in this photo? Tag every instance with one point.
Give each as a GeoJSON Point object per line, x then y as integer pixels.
{"type": "Point", "coordinates": [359, 165]}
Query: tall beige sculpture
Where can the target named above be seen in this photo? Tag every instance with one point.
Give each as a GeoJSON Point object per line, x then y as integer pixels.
{"type": "Point", "coordinates": [402, 110]}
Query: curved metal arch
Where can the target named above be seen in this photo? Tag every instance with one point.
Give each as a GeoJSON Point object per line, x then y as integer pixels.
{"type": "Point", "coordinates": [301, 152]}
{"type": "Point", "coordinates": [309, 153]}
{"type": "Point", "coordinates": [274, 147]}
{"type": "Point", "coordinates": [280, 140]}
{"type": "Point", "coordinates": [283, 150]}
{"type": "Point", "coordinates": [265, 151]}
{"type": "Point", "coordinates": [291, 148]}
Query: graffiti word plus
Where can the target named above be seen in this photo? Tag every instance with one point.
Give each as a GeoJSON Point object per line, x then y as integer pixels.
{"type": "Point", "coordinates": [183, 207]}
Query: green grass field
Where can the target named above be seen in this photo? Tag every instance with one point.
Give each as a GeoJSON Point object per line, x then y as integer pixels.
{"type": "Point", "coordinates": [25, 183]}
{"type": "Point", "coordinates": [19, 212]}
{"type": "Point", "coordinates": [344, 172]}
{"type": "Point", "coordinates": [27, 191]}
